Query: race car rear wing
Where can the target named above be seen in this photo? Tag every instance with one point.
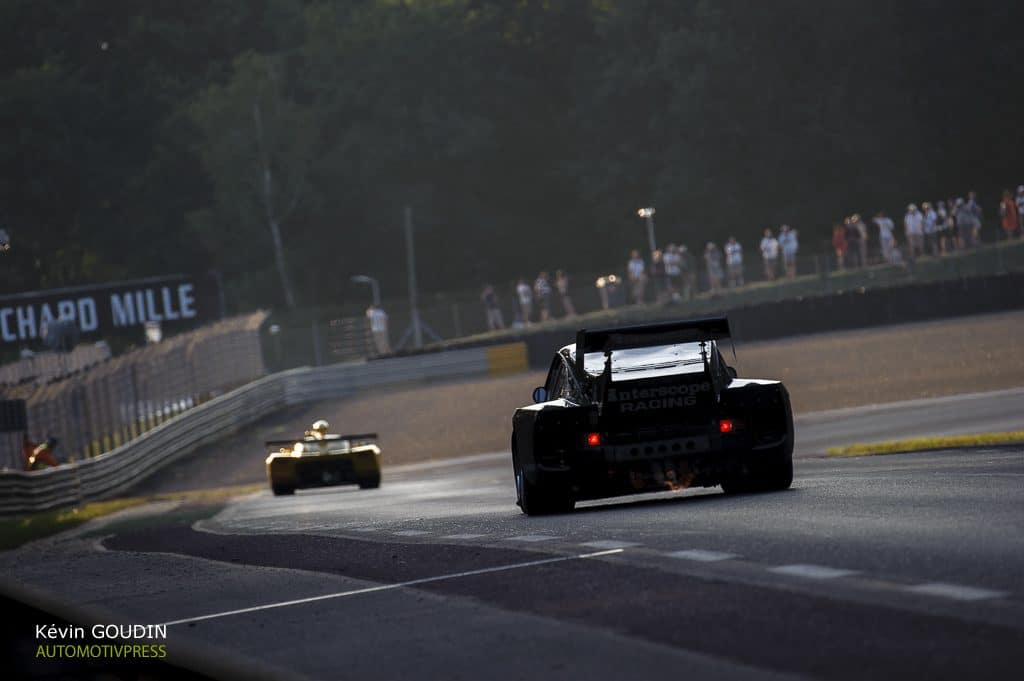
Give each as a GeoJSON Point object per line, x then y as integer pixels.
{"type": "Point", "coordinates": [648, 335]}
{"type": "Point", "coordinates": [355, 440]}
{"type": "Point", "coordinates": [606, 341]}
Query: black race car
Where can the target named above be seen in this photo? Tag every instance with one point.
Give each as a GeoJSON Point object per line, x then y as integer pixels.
{"type": "Point", "coordinates": [645, 408]}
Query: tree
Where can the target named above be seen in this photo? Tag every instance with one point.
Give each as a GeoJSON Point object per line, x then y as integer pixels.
{"type": "Point", "coordinates": [256, 148]}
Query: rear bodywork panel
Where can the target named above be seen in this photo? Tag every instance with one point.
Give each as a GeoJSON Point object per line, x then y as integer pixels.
{"type": "Point", "coordinates": [335, 460]}
{"type": "Point", "coordinates": [651, 407]}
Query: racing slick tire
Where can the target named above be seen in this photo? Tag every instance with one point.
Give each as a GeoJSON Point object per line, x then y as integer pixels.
{"type": "Point", "coordinates": [773, 477]}
{"type": "Point", "coordinates": [536, 499]}
{"type": "Point", "coordinates": [370, 483]}
{"type": "Point", "coordinates": [281, 490]}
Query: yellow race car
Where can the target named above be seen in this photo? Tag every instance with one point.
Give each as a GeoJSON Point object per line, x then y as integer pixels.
{"type": "Point", "coordinates": [323, 459]}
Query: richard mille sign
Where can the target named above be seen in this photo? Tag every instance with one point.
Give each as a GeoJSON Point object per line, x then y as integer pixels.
{"type": "Point", "coordinates": [176, 301]}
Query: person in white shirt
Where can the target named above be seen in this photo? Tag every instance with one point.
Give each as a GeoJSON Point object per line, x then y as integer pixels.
{"type": "Point", "coordinates": [637, 276]}
{"type": "Point", "coordinates": [378, 320]}
{"type": "Point", "coordinates": [942, 226]}
{"type": "Point", "coordinates": [542, 290]}
{"type": "Point", "coordinates": [862, 242]}
{"type": "Point", "coordinates": [931, 228]}
{"type": "Point", "coordinates": [790, 245]}
{"type": "Point", "coordinates": [886, 240]}
{"type": "Point", "coordinates": [713, 262]}
{"type": "Point", "coordinates": [734, 262]}
{"type": "Point", "coordinates": [913, 227]}
{"type": "Point", "coordinates": [770, 254]}
{"type": "Point", "coordinates": [672, 261]}
{"type": "Point", "coordinates": [525, 297]}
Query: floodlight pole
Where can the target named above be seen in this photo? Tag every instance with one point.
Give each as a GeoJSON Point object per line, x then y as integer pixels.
{"type": "Point", "coordinates": [648, 215]}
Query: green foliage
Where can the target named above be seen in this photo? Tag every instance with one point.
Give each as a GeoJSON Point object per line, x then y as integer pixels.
{"type": "Point", "coordinates": [524, 134]}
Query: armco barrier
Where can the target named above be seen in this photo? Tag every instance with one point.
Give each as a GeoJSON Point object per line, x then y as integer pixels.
{"type": "Point", "coordinates": [118, 470]}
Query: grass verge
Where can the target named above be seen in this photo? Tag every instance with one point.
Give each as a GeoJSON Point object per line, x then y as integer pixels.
{"type": "Point", "coordinates": [17, 531]}
{"type": "Point", "coordinates": [926, 443]}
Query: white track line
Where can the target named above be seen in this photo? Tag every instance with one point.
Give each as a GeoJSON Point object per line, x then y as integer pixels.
{"type": "Point", "coordinates": [702, 556]}
{"type": "Point", "coordinates": [410, 533]}
{"type": "Point", "coordinates": [609, 544]}
{"type": "Point", "coordinates": [464, 536]}
{"type": "Point", "coordinates": [390, 587]}
{"type": "Point", "coordinates": [811, 571]}
{"type": "Point", "coordinates": [532, 537]}
{"type": "Point", "coordinates": [955, 591]}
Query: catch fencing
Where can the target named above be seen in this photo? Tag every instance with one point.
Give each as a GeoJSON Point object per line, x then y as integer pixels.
{"type": "Point", "coordinates": [117, 471]}
{"type": "Point", "coordinates": [117, 400]}
{"type": "Point", "coordinates": [44, 367]}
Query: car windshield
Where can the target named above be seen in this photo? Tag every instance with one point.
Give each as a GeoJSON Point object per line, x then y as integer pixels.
{"type": "Point", "coordinates": [633, 363]}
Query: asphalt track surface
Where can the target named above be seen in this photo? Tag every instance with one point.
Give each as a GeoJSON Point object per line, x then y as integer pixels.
{"type": "Point", "coordinates": [900, 566]}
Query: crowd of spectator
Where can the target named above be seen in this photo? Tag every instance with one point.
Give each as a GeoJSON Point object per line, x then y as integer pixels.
{"type": "Point", "coordinates": [934, 229]}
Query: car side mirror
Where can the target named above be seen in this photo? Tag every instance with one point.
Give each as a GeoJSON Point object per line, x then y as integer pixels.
{"type": "Point", "coordinates": [540, 394]}
{"type": "Point", "coordinates": [732, 371]}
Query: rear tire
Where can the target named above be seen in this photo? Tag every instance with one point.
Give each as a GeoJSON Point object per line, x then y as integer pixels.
{"type": "Point", "coordinates": [281, 490]}
{"type": "Point", "coordinates": [370, 483]}
{"type": "Point", "coordinates": [536, 499]}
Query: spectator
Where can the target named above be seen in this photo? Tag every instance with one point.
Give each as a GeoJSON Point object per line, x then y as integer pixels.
{"type": "Point", "coordinates": [839, 245]}
{"type": "Point", "coordinates": [790, 246]}
{"type": "Point", "coordinates": [886, 241]}
{"type": "Point", "coordinates": [379, 329]}
{"type": "Point", "coordinates": [688, 272]}
{"type": "Point", "coordinates": [492, 308]}
{"type": "Point", "coordinates": [658, 276]}
{"type": "Point", "coordinates": [637, 276]}
{"type": "Point", "coordinates": [672, 261]}
{"type": "Point", "coordinates": [39, 455]}
{"type": "Point", "coordinates": [770, 254]}
{"type": "Point", "coordinates": [608, 291]}
{"type": "Point", "coordinates": [913, 227]}
{"type": "Point", "coordinates": [967, 223]}
{"type": "Point", "coordinates": [942, 224]}
{"type": "Point", "coordinates": [525, 297]}
{"type": "Point", "coordinates": [979, 214]}
{"type": "Point", "coordinates": [713, 261]}
{"type": "Point", "coordinates": [734, 262]}
{"type": "Point", "coordinates": [542, 291]}
{"type": "Point", "coordinates": [862, 243]}
{"type": "Point", "coordinates": [1008, 213]}
{"type": "Point", "coordinates": [1020, 208]}
{"type": "Point", "coordinates": [931, 228]}
{"type": "Point", "coordinates": [897, 254]}
{"type": "Point", "coordinates": [562, 285]}
{"type": "Point", "coordinates": [852, 242]}
{"type": "Point", "coordinates": [951, 226]}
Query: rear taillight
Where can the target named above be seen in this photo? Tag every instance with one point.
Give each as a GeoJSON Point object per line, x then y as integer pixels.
{"type": "Point", "coordinates": [593, 439]}
{"type": "Point", "coordinates": [726, 426]}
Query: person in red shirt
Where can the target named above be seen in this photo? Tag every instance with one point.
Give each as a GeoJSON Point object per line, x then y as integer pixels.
{"type": "Point", "coordinates": [839, 245]}
{"type": "Point", "coordinates": [1008, 213]}
{"type": "Point", "coordinates": [38, 456]}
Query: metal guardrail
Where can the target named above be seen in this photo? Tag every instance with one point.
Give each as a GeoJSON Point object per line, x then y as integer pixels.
{"type": "Point", "coordinates": [117, 471]}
